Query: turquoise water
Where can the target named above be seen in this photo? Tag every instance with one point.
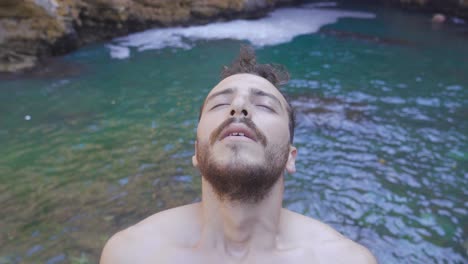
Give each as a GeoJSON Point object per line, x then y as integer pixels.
{"type": "Point", "coordinates": [93, 144]}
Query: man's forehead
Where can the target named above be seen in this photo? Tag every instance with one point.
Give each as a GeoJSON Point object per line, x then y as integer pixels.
{"type": "Point", "coordinates": [247, 82]}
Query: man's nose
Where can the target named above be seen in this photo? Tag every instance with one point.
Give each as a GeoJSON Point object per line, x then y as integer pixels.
{"type": "Point", "coordinates": [239, 109]}
{"type": "Point", "coordinates": [243, 113]}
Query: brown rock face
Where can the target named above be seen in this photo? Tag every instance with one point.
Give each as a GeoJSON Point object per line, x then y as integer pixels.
{"type": "Point", "coordinates": [34, 29]}
{"type": "Point", "coordinates": [24, 29]}
{"type": "Point", "coordinates": [28, 30]}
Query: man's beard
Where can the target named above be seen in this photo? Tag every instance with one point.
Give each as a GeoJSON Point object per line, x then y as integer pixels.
{"type": "Point", "coordinates": [238, 180]}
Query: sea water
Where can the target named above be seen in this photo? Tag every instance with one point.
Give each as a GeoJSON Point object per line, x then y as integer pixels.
{"type": "Point", "coordinates": [103, 137]}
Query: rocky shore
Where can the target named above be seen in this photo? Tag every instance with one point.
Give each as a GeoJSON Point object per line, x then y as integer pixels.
{"type": "Point", "coordinates": [31, 30]}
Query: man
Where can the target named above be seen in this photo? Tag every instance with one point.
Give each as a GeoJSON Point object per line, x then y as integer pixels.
{"type": "Point", "coordinates": [243, 148]}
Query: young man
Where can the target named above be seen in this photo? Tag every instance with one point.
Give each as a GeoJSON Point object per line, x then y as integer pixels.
{"type": "Point", "coordinates": [243, 148]}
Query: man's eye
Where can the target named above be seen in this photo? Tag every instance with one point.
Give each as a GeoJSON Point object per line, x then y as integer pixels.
{"type": "Point", "coordinates": [218, 105]}
{"type": "Point", "coordinates": [266, 107]}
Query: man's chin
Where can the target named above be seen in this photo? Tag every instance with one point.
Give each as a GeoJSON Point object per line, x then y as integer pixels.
{"type": "Point", "coordinates": [238, 148]}
{"type": "Point", "coordinates": [241, 158]}
{"type": "Point", "coordinates": [245, 175]}
{"type": "Point", "coordinates": [239, 181]}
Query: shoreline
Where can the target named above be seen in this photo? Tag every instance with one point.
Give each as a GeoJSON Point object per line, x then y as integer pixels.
{"type": "Point", "coordinates": [32, 33]}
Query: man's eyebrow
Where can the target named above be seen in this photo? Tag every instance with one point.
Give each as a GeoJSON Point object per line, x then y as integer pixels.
{"type": "Point", "coordinates": [257, 92]}
{"type": "Point", "coordinates": [222, 92]}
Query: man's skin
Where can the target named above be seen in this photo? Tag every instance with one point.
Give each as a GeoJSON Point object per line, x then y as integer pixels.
{"type": "Point", "coordinates": [224, 231]}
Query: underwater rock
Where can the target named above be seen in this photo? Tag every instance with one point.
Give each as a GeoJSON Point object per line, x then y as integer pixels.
{"type": "Point", "coordinates": [31, 30]}
{"type": "Point", "coordinates": [45, 69]}
{"type": "Point", "coordinates": [329, 112]}
{"type": "Point", "coordinates": [456, 8]}
{"type": "Point", "coordinates": [367, 38]}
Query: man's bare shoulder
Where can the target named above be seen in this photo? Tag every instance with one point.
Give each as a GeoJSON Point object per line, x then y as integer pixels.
{"type": "Point", "coordinates": [324, 242]}
{"type": "Point", "coordinates": [160, 230]}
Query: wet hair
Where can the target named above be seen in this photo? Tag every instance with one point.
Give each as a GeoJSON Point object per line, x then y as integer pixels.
{"type": "Point", "coordinates": [274, 73]}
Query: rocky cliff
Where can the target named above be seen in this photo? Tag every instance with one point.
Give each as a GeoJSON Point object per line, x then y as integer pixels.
{"type": "Point", "coordinates": [34, 29]}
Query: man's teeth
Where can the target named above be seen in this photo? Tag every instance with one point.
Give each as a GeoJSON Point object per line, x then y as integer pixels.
{"type": "Point", "coordinates": [237, 134]}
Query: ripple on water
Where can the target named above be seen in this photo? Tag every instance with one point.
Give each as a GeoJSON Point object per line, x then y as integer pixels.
{"type": "Point", "coordinates": [382, 143]}
{"type": "Point", "coordinates": [56, 259]}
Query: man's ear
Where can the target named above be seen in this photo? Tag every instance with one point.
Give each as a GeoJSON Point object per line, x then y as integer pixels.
{"type": "Point", "coordinates": [291, 163]}
{"type": "Point", "coordinates": [194, 157]}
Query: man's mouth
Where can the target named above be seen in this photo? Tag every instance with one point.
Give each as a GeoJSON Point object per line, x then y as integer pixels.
{"type": "Point", "coordinates": [238, 131]}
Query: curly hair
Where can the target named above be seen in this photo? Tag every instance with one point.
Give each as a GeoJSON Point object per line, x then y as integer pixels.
{"type": "Point", "coordinates": [247, 63]}
{"type": "Point", "coordinates": [274, 73]}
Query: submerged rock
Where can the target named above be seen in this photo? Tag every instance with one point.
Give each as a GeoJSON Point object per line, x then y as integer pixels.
{"type": "Point", "coordinates": [367, 38]}
{"type": "Point", "coordinates": [314, 111]}
{"type": "Point", "coordinates": [34, 29]}
{"type": "Point", "coordinates": [454, 8]}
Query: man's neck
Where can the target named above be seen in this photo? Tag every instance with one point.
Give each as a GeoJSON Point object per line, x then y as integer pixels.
{"type": "Point", "coordinates": [237, 228]}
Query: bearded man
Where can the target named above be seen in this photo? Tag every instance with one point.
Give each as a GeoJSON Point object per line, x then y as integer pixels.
{"type": "Point", "coordinates": [243, 148]}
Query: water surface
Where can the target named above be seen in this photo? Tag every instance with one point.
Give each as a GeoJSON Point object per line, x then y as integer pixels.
{"type": "Point", "coordinates": [382, 114]}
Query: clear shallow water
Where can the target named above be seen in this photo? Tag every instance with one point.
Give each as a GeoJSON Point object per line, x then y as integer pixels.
{"type": "Point", "coordinates": [382, 139]}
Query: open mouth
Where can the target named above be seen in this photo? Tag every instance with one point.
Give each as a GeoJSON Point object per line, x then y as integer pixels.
{"type": "Point", "coordinates": [235, 134]}
{"type": "Point", "coordinates": [237, 131]}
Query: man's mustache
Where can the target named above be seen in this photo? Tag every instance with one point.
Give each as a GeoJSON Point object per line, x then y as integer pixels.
{"type": "Point", "coordinates": [249, 123]}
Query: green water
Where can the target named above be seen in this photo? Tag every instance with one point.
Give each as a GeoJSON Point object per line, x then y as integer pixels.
{"type": "Point", "coordinates": [382, 139]}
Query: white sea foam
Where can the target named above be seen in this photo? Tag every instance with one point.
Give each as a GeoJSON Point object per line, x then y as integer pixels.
{"type": "Point", "coordinates": [119, 52]}
{"type": "Point", "coordinates": [280, 26]}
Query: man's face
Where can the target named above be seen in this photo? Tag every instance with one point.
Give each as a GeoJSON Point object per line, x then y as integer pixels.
{"type": "Point", "coordinates": [243, 138]}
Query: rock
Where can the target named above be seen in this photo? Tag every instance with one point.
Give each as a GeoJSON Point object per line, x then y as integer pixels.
{"type": "Point", "coordinates": [27, 31]}
{"type": "Point", "coordinates": [31, 30]}
{"type": "Point", "coordinates": [13, 62]}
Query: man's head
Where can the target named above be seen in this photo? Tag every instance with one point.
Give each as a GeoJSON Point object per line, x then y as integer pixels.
{"type": "Point", "coordinates": [245, 131]}
{"type": "Point", "coordinates": [276, 74]}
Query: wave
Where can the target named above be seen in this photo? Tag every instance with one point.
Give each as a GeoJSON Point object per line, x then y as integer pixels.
{"type": "Point", "coordinates": [279, 27]}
